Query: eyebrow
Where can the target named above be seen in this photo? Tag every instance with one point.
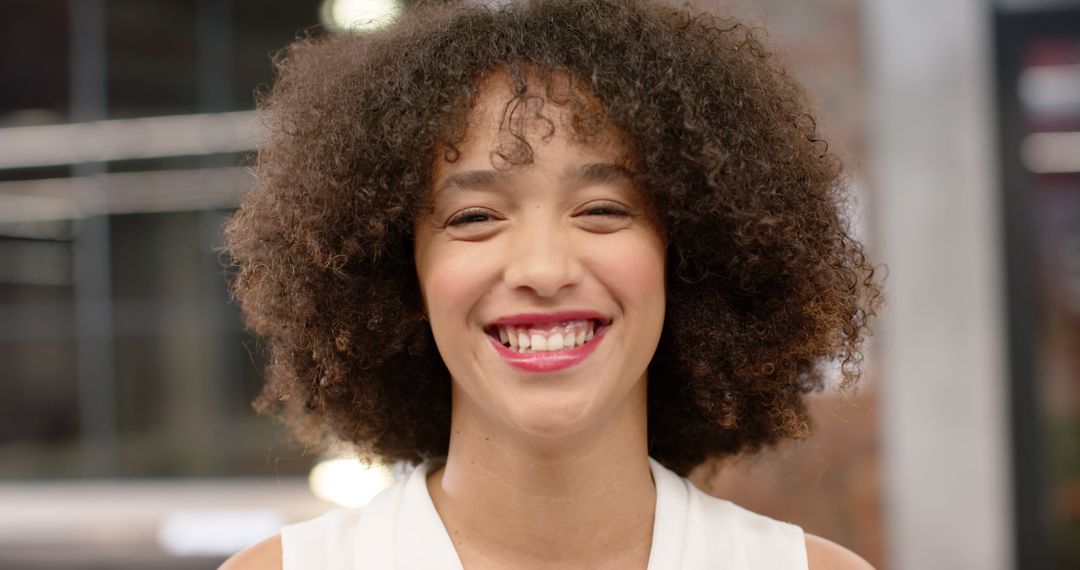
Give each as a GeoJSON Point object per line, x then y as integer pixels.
{"type": "Point", "coordinates": [591, 172]}
{"type": "Point", "coordinates": [598, 172]}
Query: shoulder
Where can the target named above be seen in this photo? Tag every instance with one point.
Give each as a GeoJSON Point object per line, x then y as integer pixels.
{"type": "Point", "coordinates": [265, 555]}
{"type": "Point", "coordinates": [822, 554]}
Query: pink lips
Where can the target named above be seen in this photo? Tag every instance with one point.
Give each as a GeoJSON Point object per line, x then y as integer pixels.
{"type": "Point", "coordinates": [549, 318]}
{"type": "Point", "coordinates": [548, 361]}
{"type": "Point", "coordinates": [554, 360]}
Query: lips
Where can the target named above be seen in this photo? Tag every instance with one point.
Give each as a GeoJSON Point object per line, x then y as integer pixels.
{"type": "Point", "coordinates": [542, 319]}
{"type": "Point", "coordinates": [515, 338]}
{"type": "Point", "coordinates": [547, 361]}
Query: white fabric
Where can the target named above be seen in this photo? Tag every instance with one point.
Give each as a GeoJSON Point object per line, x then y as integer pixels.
{"type": "Point", "coordinates": [400, 529]}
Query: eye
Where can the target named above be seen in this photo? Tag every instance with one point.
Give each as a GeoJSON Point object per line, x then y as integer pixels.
{"type": "Point", "coordinates": [470, 216]}
{"type": "Point", "coordinates": [606, 209]}
{"type": "Point", "coordinates": [604, 217]}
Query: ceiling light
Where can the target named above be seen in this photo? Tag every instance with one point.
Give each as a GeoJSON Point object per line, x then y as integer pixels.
{"type": "Point", "coordinates": [348, 482]}
{"type": "Point", "coordinates": [359, 15]}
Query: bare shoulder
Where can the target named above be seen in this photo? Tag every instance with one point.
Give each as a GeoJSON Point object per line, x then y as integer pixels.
{"type": "Point", "coordinates": [824, 554]}
{"type": "Point", "coordinates": [265, 555]}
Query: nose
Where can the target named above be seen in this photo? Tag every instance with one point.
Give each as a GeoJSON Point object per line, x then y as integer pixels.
{"type": "Point", "coordinates": [542, 260]}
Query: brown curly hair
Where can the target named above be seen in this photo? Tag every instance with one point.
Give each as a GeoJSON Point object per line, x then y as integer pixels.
{"type": "Point", "coordinates": [766, 285]}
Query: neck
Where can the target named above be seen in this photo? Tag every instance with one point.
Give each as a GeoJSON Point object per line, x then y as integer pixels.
{"type": "Point", "coordinates": [582, 501]}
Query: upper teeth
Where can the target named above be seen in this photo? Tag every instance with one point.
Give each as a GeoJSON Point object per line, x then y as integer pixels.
{"type": "Point", "coordinates": [547, 338]}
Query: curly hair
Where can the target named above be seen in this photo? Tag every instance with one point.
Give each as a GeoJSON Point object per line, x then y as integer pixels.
{"type": "Point", "coordinates": [766, 284]}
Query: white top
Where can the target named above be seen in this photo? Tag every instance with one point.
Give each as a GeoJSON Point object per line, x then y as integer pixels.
{"type": "Point", "coordinates": [401, 529]}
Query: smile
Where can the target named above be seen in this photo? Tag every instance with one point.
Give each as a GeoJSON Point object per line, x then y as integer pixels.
{"type": "Point", "coordinates": [545, 343]}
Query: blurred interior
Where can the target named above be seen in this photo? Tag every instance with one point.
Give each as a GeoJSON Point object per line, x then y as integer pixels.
{"type": "Point", "coordinates": [127, 439]}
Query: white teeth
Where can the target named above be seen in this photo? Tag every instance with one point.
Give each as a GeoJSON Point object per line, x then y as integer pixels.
{"type": "Point", "coordinates": [557, 337]}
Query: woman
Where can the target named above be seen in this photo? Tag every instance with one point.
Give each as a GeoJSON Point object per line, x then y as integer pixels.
{"type": "Point", "coordinates": [531, 247]}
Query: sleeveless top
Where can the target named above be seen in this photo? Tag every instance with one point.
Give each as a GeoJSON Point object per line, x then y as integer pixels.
{"type": "Point", "coordinates": [400, 529]}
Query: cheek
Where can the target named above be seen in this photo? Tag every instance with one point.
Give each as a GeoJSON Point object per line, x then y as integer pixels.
{"type": "Point", "coordinates": [452, 280]}
{"type": "Point", "coordinates": [635, 270]}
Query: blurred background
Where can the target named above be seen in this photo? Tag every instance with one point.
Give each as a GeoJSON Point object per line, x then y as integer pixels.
{"type": "Point", "coordinates": [126, 435]}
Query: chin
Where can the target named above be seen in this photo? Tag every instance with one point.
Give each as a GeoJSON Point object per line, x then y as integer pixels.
{"type": "Point", "coordinates": [552, 420]}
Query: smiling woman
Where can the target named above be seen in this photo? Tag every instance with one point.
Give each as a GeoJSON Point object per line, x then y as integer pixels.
{"type": "Point", "coordinates": [561, 247]}
{"type": "Point", "coordinates": [558, 253]}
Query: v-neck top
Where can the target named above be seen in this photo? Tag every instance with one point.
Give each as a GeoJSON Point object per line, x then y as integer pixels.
{"type": "Point", "coordinates": [400, 529]}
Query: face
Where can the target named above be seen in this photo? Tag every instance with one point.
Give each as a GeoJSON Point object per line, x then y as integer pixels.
{"type": "Point", "coordinates": [543, 283]}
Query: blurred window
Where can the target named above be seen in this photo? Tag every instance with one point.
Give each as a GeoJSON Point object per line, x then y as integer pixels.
{"type": "Point", "coordinates": [120, 355]}
{"type": "Point", "coordinates": [1039, 94]}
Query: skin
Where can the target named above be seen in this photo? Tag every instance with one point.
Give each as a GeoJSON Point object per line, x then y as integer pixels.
{"type": "Point", "coordinates": [533, 454]}
{"type": "Point", "coordinates": [545, 470]}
